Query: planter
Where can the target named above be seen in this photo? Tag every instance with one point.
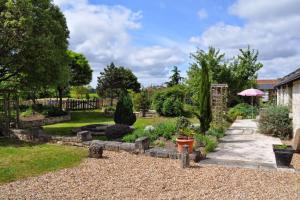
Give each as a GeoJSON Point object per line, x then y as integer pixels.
{"type": "Point", "coordinates": [283, 155]}
{"type": "Point", "coordinates": [184, 141]}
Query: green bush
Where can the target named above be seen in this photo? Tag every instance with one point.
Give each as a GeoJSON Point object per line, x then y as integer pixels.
{"type": "Point", "coordinates": [166, 130]}
{"type": "Point", "coordinates": [124, 111]}
{"type": "Point", "coordinates": [275, 121]}
{"type": "Point", "coordinates": [28, 112]}
{"type": "Point", "coordinates": [216, 132]}
{"type": "Point", "coordinates": [242, 109]}
{"type": "Point", "coordinates": [53, 112]}
{"type": "Point", "coordinates": [48, 111]}
{"type": "Point", "coordinates": [170, 101]}
{"type": "Point", "coordinates": [182, 123]}
{"type": "Point", "coordinates": [142, 102]}
{"type": "Point", "coordinates": [210, 142]}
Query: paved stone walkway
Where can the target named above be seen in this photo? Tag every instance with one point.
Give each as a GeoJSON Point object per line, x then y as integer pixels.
{"type": "Point", "coordinates": [244, 146]}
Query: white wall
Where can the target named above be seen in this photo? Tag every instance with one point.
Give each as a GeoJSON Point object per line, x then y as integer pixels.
{"type": "Point", "coordinates": [296, 105]}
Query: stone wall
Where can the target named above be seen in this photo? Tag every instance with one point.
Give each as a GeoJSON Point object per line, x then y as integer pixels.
{"type": "Point", "coordinates": [296, 105]}
{"type": "Point", "coordinates": [29, 135]}
{"type": "Point", "coordinates": [46, 121]}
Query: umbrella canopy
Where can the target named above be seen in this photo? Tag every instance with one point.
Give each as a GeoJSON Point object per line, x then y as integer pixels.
{"type": "Point", "coordinates": [251, 93]}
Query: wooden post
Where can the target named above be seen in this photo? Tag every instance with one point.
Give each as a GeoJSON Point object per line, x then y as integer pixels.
{"type": "Point", "coordinates": [185, 159]}
{"type": "Point", "coordinates": [18, 112]}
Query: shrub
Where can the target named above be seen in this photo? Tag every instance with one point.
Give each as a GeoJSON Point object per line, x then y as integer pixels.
{"type": "Point", "coordinates": [124, 112]}
{"type": "Point", "coordinates": [209, 142]}
{"type": "Point", "coordinates": [242, 109]}
{"type": "Point", "coordinates": [48, 111]}
{"type": "Point", "coordinates": [28, 112]}
{"type": "Point", "coordinates": [117, 131]}
{"type": "Point", "coordinates": [109, 109]}
{"type": "Point", "coordinates": [170, 101]}
{"type": "Point", "coordinates": [216, 132]}
{"type": "Point", "coordinates": [142, 102]}
{"type": "Point", "coordinates": [182, 122]}
{"type": "Point", "coordinates": [275, 121]}
{"type": "Point", "coordinates": [166, 130]}
{"type": "Point", "coordinates": [53, 112]}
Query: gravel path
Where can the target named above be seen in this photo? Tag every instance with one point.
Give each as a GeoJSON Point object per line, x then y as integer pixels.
{"type": "Point", "coordinates": [126, 176]}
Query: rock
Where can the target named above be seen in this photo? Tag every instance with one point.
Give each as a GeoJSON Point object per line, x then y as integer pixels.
{"type": "Point", "coordinates": [76, 130]}
{"type": "Point", "coordinates": [95, 151]}
{"type": "Point", "coordinates": [130, 147]}
{"type": "Point", "coordinates": [112, 146]}
{"type": "Point", "coordinates": [84, 135]}
{"type": "Point", "coordinates": [296, 141]}
{"type": "Point", "coordinates": [142, 144]}
{"type": "Point", "coordinates": [197, 156]}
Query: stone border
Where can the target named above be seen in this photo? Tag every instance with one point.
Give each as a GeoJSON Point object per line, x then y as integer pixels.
{"type": "Point", "coordinates": [46, 121]}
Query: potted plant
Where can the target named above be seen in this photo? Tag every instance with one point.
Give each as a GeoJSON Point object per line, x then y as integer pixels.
{"type": "Point", "coordinates": [185, 138]}
{"type": "Point", "coordinates": [283, 154]}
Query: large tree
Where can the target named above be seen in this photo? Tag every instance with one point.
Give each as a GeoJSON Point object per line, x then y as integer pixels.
{"type": "Point", "coordinates": [114, 80]}
{"type": "Point", "coordinates": [175, 78]}
{"type": "Point", "coordinates": [239, 74]}
{"type": "Point", "coordinates": [33, 43]}
{"type": "Point", "coordinates": [15, 30]}
{"type": "Point", "coordinates": [80, 73]}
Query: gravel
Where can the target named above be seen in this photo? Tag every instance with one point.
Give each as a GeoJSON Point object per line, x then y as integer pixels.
{"type": "Point", "coordinates": [126, 176]}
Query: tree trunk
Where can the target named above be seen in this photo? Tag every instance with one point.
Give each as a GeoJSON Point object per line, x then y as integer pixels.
{"type": "Point", "coordinates": [60, 95]}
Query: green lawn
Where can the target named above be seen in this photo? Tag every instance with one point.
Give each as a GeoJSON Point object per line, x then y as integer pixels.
{"type": "Point", "coordinates": [20, 160]}
{"type": "Point", "coordinates": [79, 118]}
{"type": "Point", "coordinates": [83, 118]}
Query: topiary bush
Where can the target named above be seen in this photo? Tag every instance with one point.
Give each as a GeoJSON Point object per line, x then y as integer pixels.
{"type": "Point", "coordinates": [117, 131]}
{"type": "Point", "coordinates": [124, 111]}
{"type": "Point", "coordinates": [275, 121]}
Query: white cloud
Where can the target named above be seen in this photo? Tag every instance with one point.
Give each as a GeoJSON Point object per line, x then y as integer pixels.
{"type": "Point", "coordinates": [202, 14]}
{"type": "Point", "coordinates": [270, 26]}
{"type": "Point", "coordinates": [102, 33]}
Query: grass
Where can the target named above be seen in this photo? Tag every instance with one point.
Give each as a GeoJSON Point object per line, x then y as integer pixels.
{"type": "Point", "coordinates": [79, 118]}
{"type": "Point", "coordinates": [83, 118]}
{"type": "Point", "coordinates": [20, 159]}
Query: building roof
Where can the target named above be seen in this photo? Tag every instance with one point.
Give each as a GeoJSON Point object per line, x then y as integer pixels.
{"type": "Point", "coordinates": [295, 75]}
{"type": "Point", "coordinates": [266, 84]}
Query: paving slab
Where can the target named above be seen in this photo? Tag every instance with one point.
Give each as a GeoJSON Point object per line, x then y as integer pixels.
{"type": "Point", "coordinates": [244, 146]}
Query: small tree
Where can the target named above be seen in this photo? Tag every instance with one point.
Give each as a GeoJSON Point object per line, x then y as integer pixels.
{"type": "Point", "coordinates": [199, 85]}
{"type": "Point", "coordinates": [175, 78]}
{"type": "Point", "coordinates": [113, 80]}
{"type": "Point", "coordinates": [124, 110]}
{"type": "Point", "coordinates": [142, 102]}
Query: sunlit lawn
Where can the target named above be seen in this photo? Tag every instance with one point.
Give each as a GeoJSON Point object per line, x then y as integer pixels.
{"type": "Point", "coordinates": [20, 160]}
{"type": "Point", "coordinates": [79, 119]}
{"type": "Point", "coordinates": [83, 118]}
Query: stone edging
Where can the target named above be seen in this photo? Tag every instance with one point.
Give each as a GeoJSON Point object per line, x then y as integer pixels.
{"type": "Point", "coordinates": [46, 121]}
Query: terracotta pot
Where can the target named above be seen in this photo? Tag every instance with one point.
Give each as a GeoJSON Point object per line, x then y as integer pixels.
{"type": "Point", "coordinates": [182, 141]}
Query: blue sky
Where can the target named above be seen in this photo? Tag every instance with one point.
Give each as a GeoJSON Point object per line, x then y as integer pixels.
{"type": "Point", "coordinates": [150, 37]}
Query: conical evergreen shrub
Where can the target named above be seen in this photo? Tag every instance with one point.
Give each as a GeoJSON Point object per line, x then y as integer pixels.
{"type": "Point", "coordinates": [124, 110]}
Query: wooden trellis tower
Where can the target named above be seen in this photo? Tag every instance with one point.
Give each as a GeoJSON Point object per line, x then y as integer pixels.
{"type": "Point", "coordinates": [219, 98]}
